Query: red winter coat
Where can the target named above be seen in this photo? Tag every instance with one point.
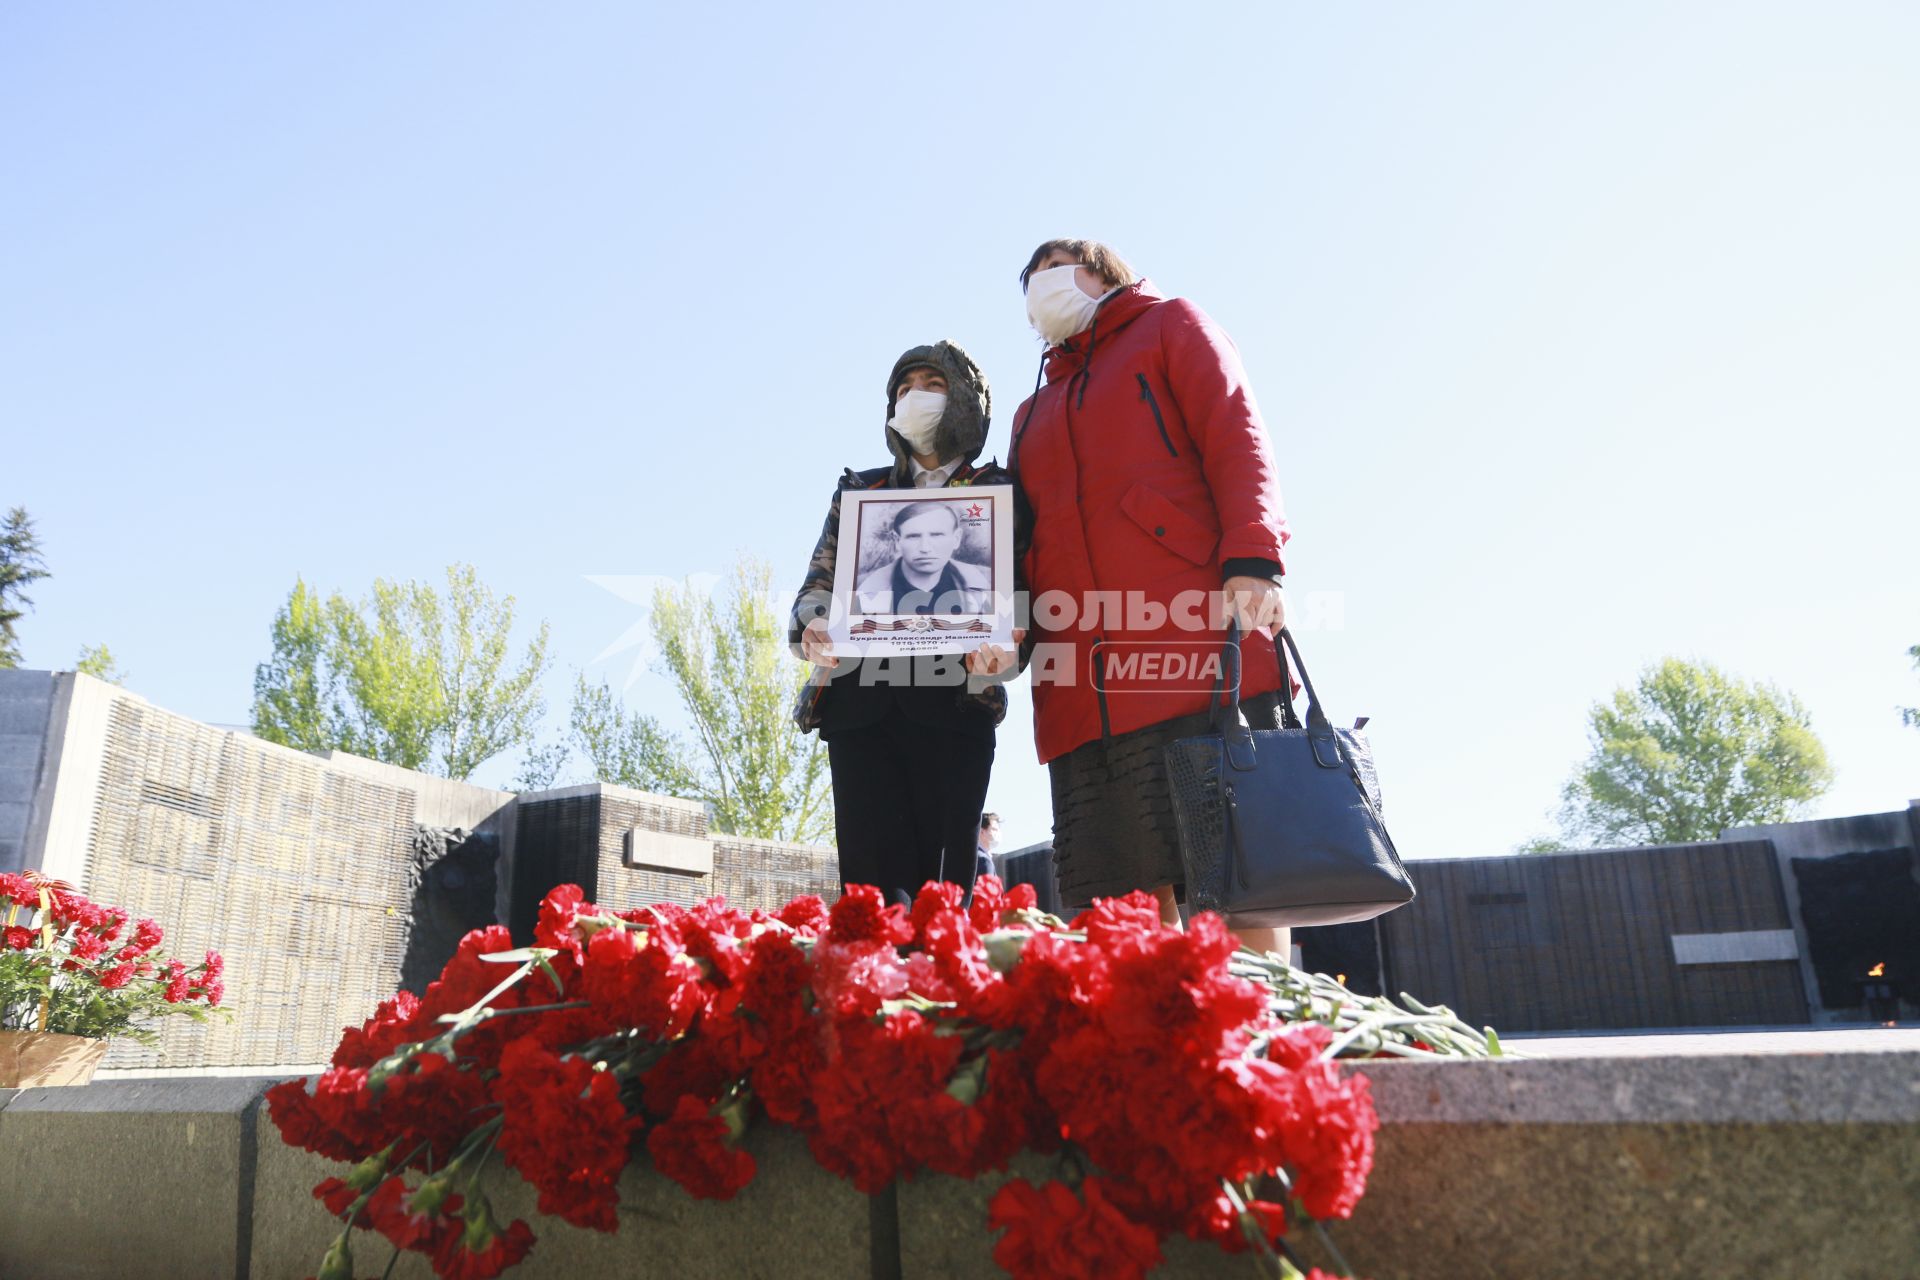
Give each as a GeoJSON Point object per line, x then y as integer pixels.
{"type": "Point", "coordinates": [1146, 468]}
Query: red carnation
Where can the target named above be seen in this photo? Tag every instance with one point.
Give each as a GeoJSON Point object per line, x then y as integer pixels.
{"type": "Point", "coordinates": [806, 913]}
{"type": "Point", "coordinates": [467, 977]}
{"type": "Point", "coordinates": [1299, 1044]}
{"type": "Point", "coordinates": [391, 1212]}
{"type": "Point", "coordinates": [146, 936]}
{"type": "Point", "coordinates": [645, 980]}
{"type": "Point", "coordinates": [565, 1130]}
{"type": "Point", "coordinates": [690, 1066]}
{"type": "Point", "coordinates": [114, 920]}
{"type": "Point", "coordinates": [695, 1148]}
{"type": "Point", "coordinates": [390, 1027]}
{"type": "Point", "coordinates": [1327, 1139]}
{"type": "Point", "coordinates": [17, 889]}
{"type": "Point", "coordinates": [72, 910]}
{"type": "Point", "coordinates": [336, 1195]}
{"type": "Point", "coordinates": [19, 937]}
{"type": "Point", "coordinates": [865, 1096]}
{"type": "Point", "coordinates": [433, 1102]}
{"type": "Point", "coordinates": [862, 915]}
{"type": "Point", "coordinates": [1052, 1233]}
{"type": "Point", "coordinates": [482, 1250]}
{"type": "Point", "coordinates": [991, 902]}
{"type": "Point", "coordinates": [559, 926]}
{"type": "Point", "coordinates": [339, 1119]}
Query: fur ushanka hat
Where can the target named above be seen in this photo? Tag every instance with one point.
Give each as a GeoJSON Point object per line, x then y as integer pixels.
{"type": "Point", "coordinates": [962, 432]}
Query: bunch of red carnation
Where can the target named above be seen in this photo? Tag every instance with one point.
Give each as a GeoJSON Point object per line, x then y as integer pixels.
{"type": "Point", "coordinates": [947, 1037]}
{"type": "Point", "coordinates": [72, 966]}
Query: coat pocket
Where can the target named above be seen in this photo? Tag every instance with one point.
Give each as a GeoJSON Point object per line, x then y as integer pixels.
{"type": "Point", "coordinates": [1161, 519]}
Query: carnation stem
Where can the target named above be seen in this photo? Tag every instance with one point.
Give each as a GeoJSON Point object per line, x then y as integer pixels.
{"type": "Point", "coordinates": [1333, 1250]}
{"type": "Point", "coordinates": [1250, 1228]}
{"type": "Point", "coordinates": [485, 1014]}
{"type": "Point", "coordinates": [487, 999]}
{"type": "Point", "coordinates": [1326, 1239]}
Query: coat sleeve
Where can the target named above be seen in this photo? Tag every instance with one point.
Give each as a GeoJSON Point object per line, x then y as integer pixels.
{"type": "Point", "coordinates": [815, 599]}
{"type": "Point", "coordinates": [1210, 387]}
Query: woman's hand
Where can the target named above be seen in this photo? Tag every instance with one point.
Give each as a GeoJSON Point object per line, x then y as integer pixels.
{"type": "Point", "coordinates": [1259, 603]}
{"type": "Point", "coordinates": [816, 646]}
{"type": "Point", "coordinates": [991, 659]}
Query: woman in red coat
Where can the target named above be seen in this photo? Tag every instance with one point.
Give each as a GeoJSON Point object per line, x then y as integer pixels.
{"type": "Point", "coordinates": [1155, 508]}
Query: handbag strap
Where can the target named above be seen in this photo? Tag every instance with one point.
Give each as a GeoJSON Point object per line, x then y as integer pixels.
{"type": "Point", "coordinates": [1231, 723]}
{"type": "Point", "coordinates": [1289, 717]}
{"type": "Point", "coordinates": [1236, 736]}
{"type": "Point", "coordinates": [1327, 752]}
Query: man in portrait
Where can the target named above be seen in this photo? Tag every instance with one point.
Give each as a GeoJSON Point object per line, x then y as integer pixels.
{"type": "Point", "coordinates": [924, 576]}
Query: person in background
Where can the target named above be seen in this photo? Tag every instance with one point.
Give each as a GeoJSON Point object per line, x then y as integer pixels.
{"type": "Point", "coordinates": [989, 841]}
{"type": "Point", "coordinates": [910, 757]}
{"type": "Point", "coordinates": [1146, 474]}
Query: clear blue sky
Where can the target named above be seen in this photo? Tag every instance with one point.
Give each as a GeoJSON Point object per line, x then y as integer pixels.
{"type": "Point", "coordinates": [1585, 335]}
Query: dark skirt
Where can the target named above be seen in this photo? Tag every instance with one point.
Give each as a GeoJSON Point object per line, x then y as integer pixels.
{"type": "Point", "coordinates": [1113, 824]}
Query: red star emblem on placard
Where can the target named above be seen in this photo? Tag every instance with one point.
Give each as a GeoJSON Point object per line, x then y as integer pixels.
{"type": "Point", "coordinates": [973, 512]}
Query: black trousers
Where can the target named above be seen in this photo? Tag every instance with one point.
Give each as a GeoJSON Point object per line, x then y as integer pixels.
{"type": "Point", "coordinates": [907, 798]}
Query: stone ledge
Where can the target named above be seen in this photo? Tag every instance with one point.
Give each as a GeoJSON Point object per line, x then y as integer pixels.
{"type": "Point", "coordinates": [1775, 1165]}
{"type": "Point", "coordinates": [1760, 1088]}
{"type": "Point", "coordinates": [173, 1178]}
{"type": "Point", "coordinates": [793, 1220]}
{"type": "Point", "coordinates": [132, 1178]}
{"type": "Point", "coordinates": [1763, 1165]}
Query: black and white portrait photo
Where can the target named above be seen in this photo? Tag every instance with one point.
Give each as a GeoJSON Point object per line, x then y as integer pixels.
{"type": "Point", "coordinates": [926, 556]}
{"type": "Point", "coordinates": [929, 574]}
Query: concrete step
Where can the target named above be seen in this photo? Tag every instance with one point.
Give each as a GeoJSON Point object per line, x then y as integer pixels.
{"type": "Point", "coordinates": [1770, 1164]}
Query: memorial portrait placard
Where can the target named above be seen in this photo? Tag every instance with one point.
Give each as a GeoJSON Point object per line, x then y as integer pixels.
{"type": "Point", "coordinates": [923, 571]}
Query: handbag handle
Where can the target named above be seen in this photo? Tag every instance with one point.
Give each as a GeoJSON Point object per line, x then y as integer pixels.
{"type": "Point", "coordinates": [1235, 731]}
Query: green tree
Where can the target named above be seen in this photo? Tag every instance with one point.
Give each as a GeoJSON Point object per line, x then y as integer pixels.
{"type": "Point", "coordinates": [1910, 716]}
{"type": "Point", "coordinates": [96, 660]}
{"type": "Point", "coordinates": [1689, 752]}
{"type": "Point", "coordinates": [20, 567]}
{"type": "Point", "coordinates": [628, 748]}
{"type": "Point", "coordinates": [728, 659]}
{"type": "Point", "coordinates": [297, 696]}
{"type": "Point", "coordinates": [408, 676]}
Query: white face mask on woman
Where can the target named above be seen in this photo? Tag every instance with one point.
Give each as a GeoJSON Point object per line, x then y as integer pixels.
{"type": "Point", "coordinates": [915, 415]}
{"type": "Point", "coordinates": [1056, 305]}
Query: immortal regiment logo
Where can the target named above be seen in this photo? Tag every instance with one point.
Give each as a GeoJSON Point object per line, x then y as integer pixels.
{"type": "Point", "coordinates": [945, 1038]}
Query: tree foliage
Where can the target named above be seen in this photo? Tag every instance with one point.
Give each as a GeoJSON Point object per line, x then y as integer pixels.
{"type": "Point", "coordinates": [20, 567]}
{"type": "Point", "coordinates": [728, 660]}
{"type": "Point", "coordinates": [298, 700]}
{"type": "Point", "coordinates": [1688, 752]}
{"type": "Point", "coordinates": [96, 660]}
{"type": "Point", "coordinates": [1910, 716]}
{"type": "Point", "coordinates": [409, 675]}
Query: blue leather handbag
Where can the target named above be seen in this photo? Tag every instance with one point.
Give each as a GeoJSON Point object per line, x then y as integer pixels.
{"type": "Point", "coordinates": [1282, 826]}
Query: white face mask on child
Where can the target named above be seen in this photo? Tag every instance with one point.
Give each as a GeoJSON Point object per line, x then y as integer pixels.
{"type": "Point", "coordinates": [915, 415]}
{"type": "Point", "coordinates": [1056, 305]}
